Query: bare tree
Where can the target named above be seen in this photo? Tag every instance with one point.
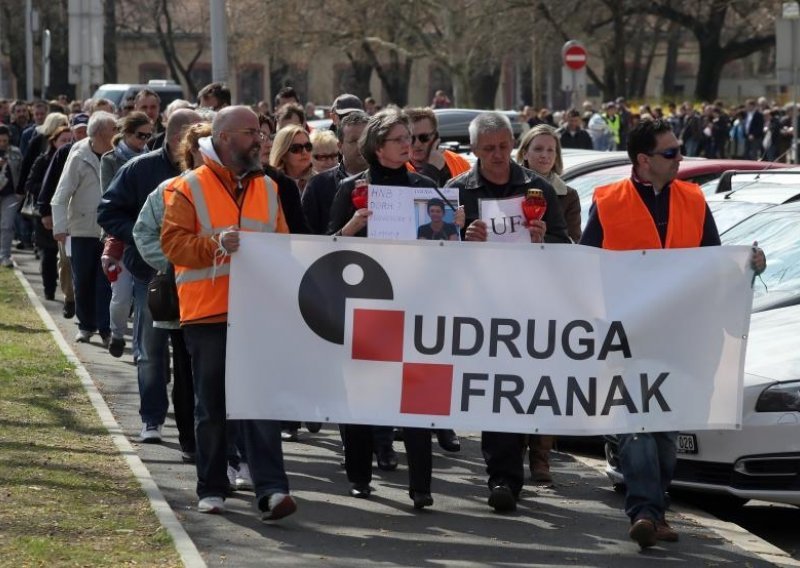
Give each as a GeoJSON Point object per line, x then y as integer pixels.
{"type": "Point", "coordinates": [725, 31]}
{"type": "Point", "coordinates": [170, 24]}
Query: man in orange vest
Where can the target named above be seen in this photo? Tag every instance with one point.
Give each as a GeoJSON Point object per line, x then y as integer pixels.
{"type": "Point", "coordinates": [426, 158]}
{"type": "Point", "coordinates": [211, 204]}
{"type": "Point", "coordinates": [651, 210]}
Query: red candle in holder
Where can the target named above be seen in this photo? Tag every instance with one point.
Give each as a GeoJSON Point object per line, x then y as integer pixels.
{"type": "Point", "coordinates": [534, 205]}
{"type": "Point", "coordinates": [360, 194]}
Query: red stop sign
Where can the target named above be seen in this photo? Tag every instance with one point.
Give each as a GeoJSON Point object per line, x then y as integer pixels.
{"type": "Point", "coordinates": [575, 57]}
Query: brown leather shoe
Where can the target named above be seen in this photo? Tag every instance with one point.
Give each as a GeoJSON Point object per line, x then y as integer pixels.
{"type": "Point", "coordinates": [643, 531]}
{"type": "Point", "coordinates": [665, 532]}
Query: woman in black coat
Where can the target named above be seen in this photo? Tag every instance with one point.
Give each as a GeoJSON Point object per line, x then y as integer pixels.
{"type": "Point", "coordinates": [385, 144]}
{"type": "Point", "coordinates": [48, 247]}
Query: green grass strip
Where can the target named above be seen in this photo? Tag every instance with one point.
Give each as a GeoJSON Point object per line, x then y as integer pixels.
{"type": "Point", "coordinates": [67, 498]}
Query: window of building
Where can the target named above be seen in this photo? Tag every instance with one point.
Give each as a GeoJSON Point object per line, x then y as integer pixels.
{"type": "Point", "coordinates": [251, 84]}
{"type": "Point", "coordinates": [200, 75]}
{"type": "Point", "coordinates": [152, 70]}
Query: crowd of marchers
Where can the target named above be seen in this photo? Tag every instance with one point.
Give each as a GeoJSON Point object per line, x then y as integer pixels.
{"type": "Point", "coordinates": [757, 129]}
{"type": "Point", "coordinates": [138, 210]}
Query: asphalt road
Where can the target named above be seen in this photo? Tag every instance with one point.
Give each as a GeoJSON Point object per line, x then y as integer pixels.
{"type": "Point", "coordinates": [578, 522]}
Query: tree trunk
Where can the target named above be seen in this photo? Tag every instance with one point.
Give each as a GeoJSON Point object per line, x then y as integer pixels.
{"type": "Point", "coordinates": [358, 82]}
{"type": "Point", "coordinates": [484, 83]}
{"type": "Point", "coordinates": [709, 73]}
{"type": "Point", "coordinates": [110, 43]}
{"type": "Point", "coordinates": [671, 65]}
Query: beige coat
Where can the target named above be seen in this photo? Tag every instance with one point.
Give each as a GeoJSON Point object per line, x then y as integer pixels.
{"type": "Point", "coordinates": [78, 194]}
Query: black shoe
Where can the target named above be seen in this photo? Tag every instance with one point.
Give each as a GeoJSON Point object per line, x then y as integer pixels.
{"type": "Point", "coordinates": [502, 500]}
{"type": "Point", "coordinates": [105, 339]}
{"type": "Point", "coordinates": [116, 347]}
{"type": "Point", "coordinates": [188, 457]}
{"type": "Point", "coordinates": [448, 440]}
{"type": "Point", "coordinates": [361, 491]}
{"type": "Point", "coordinates": [314, 427]}
{"type": "Point", "coordinates": [69, 309]}
{"type": "Point", "coordinates": [387, 459]}
{"type": "Point", "coordinates": [49, 295]}
{"type": "Point", "coordinates": [422, 500]}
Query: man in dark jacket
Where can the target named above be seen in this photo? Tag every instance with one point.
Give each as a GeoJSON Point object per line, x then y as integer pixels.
{"type": "Point", "coordinates": [496, 177]}
{"type": "Point", "coordinates": [318, 195]}
{"type": "Point", "coordinates": [572, 134]}
{"type": "Point", "coordinates": [117, 214]}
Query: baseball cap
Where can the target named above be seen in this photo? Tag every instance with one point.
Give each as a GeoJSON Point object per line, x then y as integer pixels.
{"type": "Point", "coordinates": [346, 103]}
{"type": "Point", "coordinates": [80, 119]}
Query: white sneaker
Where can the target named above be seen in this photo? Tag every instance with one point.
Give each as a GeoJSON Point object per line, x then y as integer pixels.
{"type": "Point", "coordinates": [243, 481]}
{"type": "Point", "coordinates": [279, 505]}
{"type": "Point", "coordinates": [83, 336]}
{"type": "Point", "coordinates": [232, 474]}
{"type": "Point", "coordinates": [211, 505]}
{"type": "Point", "coordinates": [150, 434]}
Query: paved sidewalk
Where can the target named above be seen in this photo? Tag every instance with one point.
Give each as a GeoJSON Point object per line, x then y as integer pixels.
{"type": "Point", "coordinates": [579, 522]}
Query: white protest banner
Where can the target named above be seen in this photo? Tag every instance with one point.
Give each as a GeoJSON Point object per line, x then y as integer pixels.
{"type": "Point", "coordinates": [401, 213]}
{"type": "Point", "coordinates": [504, 220]}
{"type": "Point", "coordinates": [557, 339]}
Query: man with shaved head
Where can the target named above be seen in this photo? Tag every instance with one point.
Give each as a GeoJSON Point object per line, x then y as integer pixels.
{"type": "Point", "coordinates": [210, 205]}
{"type": "Point", "coordinates": [117, 214]}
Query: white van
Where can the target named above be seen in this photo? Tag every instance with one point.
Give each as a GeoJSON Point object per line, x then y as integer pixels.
{"type": "Point", "coordinates": [117, 93]}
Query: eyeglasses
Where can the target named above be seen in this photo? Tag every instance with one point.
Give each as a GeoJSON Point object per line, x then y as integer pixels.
{"type": "Point", "coordinates": [424, 138]}
{"type": "Point", "coordinates": [399, 139]}
{"type": "Point", "coordinates": [250, 132]}
{"type": "Point", "coordinates": [298, 148]}
{"type": "Point", "coordinates": [668, 154]}
{"type": "Point", "coordinates": [321, 157]}
{"type": "Point", "coordinates": [143, 135]}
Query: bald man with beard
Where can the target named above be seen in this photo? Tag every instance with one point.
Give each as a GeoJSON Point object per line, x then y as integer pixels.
{"type": "Point", "coordinates": [201, 222]}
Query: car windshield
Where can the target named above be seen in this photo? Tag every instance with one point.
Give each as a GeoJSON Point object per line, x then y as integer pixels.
{"type": "Point", "coordinates": [730, 213]}
{"type": "Point", "coordinates": [778, 233]}
{"type": "Point", "coordinates": [114, 95]}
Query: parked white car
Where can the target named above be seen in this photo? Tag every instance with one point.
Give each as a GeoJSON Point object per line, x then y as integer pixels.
{"type": "Point", "coordinates": [762, 460]}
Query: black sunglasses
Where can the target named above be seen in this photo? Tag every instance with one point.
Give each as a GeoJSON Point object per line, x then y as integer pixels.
{"type": "Point", "coordinates": [143, 135]}
{"type": "Point", "coordinates": [668, 154]}
{"type": "Point", "coordinates": [424, 138]}
{"type": "Point", "coordinates": [297, 148]}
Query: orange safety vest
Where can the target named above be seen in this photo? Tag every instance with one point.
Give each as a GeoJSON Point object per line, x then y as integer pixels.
{"type": "Point", "coordinates": [203, 292]}
{"type": "Point", "coordinates": [628, 225]}
{"type": "Point", "coordinates": [455, 163]}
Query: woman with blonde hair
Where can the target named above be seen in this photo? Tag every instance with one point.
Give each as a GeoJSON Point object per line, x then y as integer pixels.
{"type": "Point", "coordinates": [540, 151]}
{"type": "Point", "coordinates": [325, 154]}
{"type": "Point", "coordinates": [291, 154]}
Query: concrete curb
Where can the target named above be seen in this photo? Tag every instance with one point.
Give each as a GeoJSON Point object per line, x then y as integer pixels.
{"type": "Point", "coordinates": [728, 531]}
{"type": "Point", "coordinates": [187, 550]}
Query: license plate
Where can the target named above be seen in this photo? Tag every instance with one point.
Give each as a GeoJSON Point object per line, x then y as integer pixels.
{"type": "Point", "coordinates": [686, 444]}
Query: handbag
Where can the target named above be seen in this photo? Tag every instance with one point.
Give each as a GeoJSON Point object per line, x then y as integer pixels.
{"type": "Point", "coordinates": [162, 296]}
{"type": "Point", "coordinates": [29, 208]}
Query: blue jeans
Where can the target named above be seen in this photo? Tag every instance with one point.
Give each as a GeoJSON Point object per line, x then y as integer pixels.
{"type": "Point", "coordinates": [152, 365]}
{"type": "Point", "coordinates": [262, 438]}
{"type": "Point", "coordinates": [647, 462]}
{"type": "Point", "coordinates": [92, 289]}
